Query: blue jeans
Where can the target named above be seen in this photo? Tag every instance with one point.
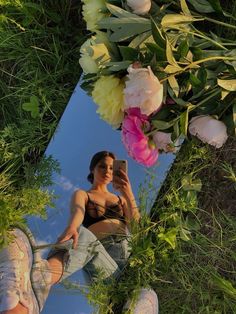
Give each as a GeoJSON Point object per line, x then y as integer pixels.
{"type": "Point", "coordinates": [108, 255]}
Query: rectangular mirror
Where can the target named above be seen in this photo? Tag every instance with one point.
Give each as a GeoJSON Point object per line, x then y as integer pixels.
{"type": "Point", "coordinates": [80, 134]}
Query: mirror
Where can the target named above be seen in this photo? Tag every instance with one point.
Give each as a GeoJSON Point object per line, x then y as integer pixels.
{"type": "Point", "coordinates": [80, 134]}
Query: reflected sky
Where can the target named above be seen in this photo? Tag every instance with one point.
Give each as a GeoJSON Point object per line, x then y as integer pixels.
{"type": "Point", "coordinates": [80, 134]}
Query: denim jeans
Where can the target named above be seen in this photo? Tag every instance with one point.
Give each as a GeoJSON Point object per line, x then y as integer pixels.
{"type": "Point", "coordinates": [108, 255]}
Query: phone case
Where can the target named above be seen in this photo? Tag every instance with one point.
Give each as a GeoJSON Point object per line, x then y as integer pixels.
{"type": "Point", "coordinates": [119, 164]}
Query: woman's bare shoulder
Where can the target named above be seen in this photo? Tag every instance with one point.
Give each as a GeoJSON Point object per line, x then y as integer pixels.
{"type": "Point", "coordinates": [80, 193]}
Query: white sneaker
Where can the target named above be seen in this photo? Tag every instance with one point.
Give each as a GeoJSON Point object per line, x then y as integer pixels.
{"type": "Point", "coordinates": [147, 303]}
{"type": "Point", "coordinates": [24, 276]}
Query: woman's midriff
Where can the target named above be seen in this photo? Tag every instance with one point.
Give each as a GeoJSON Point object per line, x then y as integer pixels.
{"type": "Point", "coordinates": [104, 228]}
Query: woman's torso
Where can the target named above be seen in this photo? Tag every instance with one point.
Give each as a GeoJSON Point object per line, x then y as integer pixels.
{"type": "Point", "coordinates": [104, 214]}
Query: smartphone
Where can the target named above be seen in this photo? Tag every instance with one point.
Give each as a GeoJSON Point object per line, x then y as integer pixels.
{"type": "Point", "coordinates": [117, 165]}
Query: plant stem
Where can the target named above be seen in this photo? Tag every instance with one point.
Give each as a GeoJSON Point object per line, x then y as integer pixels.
{"type": "Point", "coordinates": [192, 64]}
{"type": "Point", "coordinates": [220, 23]}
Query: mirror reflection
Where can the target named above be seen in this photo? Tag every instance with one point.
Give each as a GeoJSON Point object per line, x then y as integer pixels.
{"type": "Point", "coordinates": [80, 135]}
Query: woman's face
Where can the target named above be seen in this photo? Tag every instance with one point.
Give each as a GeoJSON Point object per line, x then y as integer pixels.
{"type": "Point", "coordinates": [103, 170]}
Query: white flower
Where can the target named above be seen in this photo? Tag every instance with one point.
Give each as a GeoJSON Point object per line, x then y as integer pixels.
{"type": "Point", "coordinates": [143, 90]}
{"type": "Point", "coordinates": [94, 54]}
{"type": "Point", "coordinates": [208, 130]}
{"type": "Point", "coordinates": [163, 141]}
{"type": "Point", "coordinates": [93, 13]}
{"type": "Point", "coordinates": [139, 6]}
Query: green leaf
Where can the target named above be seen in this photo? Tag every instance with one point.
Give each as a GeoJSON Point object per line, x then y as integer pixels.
{"type": "Point", "coordinates": [128, 53]}
{"type": "Point", "coordinates": [125, 28]}
{"type": "Point", "coordinates": [157, 35]}
{"type": "Point", "coordinates": [184, 7]}
{"type": "Point", "coordinates": [202, 75]}
{"type": "Point", "coordinates": [34, 6]}
{"type": "Point", "coordinates": [194, 80]}
{"type": "Point", "coordinates": [202, 6]}
{"type": "Point", "coordinates": [171, 20]}
{"type": "Point", "coordinates": [224, 285]}
{"type": "Point", "coordinates": [188, 184]}
{"type": "Point", "coordinates": [178, 101]}
{"type": "Point", "coordinates": [162, 125]}
{"type": "Point", "coordinates": [172, 69]}
{"type": "Point", "coordinates": [216, 5]}
{"type": "Point", "coordinates": [158, 51]}
{"type": "Point", "coordinates": [32, 106]}
{"type": "Point", "coordinates": [176, 132]}
{"type": "Point", "coordinates": [139, 39]}
{"type": "Point", "coordinates": [169, 55]}
{"type": "Point", "coordinates": [183, 48]}
{"type": "Point", "coordinates": [119, 12]}
{"type": "Point", "coordinates": [117, 66]}
{"type": "Point", "coordinates": [174, 85]}
{"type": "Point", "coordinates": [169, 237]}
{"type": "Point", "coordinates": [184, 234]}
{"type": "Point", "coordinates": [184, 122]}
{"type": "Point", "coordinates": [229, 85]}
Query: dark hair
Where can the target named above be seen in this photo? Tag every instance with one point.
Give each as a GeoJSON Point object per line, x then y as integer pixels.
{"type": "Point", "coordinates": [95, 160]}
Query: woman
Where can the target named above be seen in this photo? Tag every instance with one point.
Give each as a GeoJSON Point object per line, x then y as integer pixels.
{"type": "Point", "coordinates": [105, 216]}
{"type": "Point", "coordinates": [101, 243]}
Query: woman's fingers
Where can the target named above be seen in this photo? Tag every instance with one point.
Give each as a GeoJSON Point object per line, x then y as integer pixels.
{"type": "Point", "coordinates": [67, 236]}
{"type": "Point", "coordinates": [75, 238]}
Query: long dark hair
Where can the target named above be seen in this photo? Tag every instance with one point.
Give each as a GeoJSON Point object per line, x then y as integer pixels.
{"type": "Point", "coordinates": [95, 160]}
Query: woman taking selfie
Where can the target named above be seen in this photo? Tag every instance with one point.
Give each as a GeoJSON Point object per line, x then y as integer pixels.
{"type": "Point", "coordinates": [94, 239]}
{"type": "Point", "coordinates": [106, 215]}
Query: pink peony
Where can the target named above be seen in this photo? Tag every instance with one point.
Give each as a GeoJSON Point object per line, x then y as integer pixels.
{"type": "Point", "coordinates": [134, 139]}
{"type": "Point", "coordinates": [208, 130]}
{"type": "Point", "coordinates": [143, 90]}
{"type": "Point", "coordinates": [140, 6]}
{"type": "Point", "coordinates": [163, 141]}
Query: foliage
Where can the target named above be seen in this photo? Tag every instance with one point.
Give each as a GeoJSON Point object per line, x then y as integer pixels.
{"type": "Point", "coordinates": [39, 41]}
{"type": "Point", "coordinates": [185, 249]}
{"type": "Point", "coordinates": [180, 41]}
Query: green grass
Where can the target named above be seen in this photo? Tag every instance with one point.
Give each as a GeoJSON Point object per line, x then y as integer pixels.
{"type": "Point", "coordinates": [186, 249]}
{"type": "Point", "coordinates": [39, 53]}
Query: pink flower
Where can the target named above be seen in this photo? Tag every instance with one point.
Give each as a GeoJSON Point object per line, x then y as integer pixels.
{"type": "Point", "coordinates": [163, 141]}
{"type": "Point", "coordinates": [208, 130]}
{"type": "Point", "coordinates": [140, 6]}
{"type": "Point", "coordinates": [142, 90]}
{"type": "Point", "coordinates": [136, 142]}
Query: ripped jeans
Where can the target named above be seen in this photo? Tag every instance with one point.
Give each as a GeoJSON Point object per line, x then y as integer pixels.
{"type": "Point", "coordinates": [108, 255]}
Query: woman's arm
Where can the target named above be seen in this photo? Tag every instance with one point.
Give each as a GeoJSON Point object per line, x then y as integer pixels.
{"type": "Point", "coordinates": [77, 208]}
{"type": "Point", "coordinates": [131, 210]}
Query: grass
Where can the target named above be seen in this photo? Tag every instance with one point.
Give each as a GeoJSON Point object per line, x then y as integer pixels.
{"type": "Point", "coordinates": [185, 249]}
{"type": "Point", "coordinates": [39, 52]}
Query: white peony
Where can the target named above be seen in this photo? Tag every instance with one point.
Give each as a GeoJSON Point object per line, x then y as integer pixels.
{"type": "Point", "coordinates": [143, 90]}
{"type": "Point", "coordinates": [163, 141]}
{"type": "Point", "coordinates": [208, 130]}
{"type": "Point", "coordinates": [139, 6]}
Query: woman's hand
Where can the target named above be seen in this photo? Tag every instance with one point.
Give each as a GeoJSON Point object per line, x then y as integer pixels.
{"type": "Point", "coordinates": [69, 233]}
{"type": "Point", "coordinates": [122, 183]}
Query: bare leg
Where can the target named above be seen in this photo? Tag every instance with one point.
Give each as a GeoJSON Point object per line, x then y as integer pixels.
{"type": "Point", "coordinates": [19, 309]}
{"type": "Point", "coordinates": [56, 265]}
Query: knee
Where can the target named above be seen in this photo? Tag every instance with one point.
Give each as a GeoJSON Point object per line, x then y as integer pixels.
{"type": "Point", "coordinates": [19, 309]}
